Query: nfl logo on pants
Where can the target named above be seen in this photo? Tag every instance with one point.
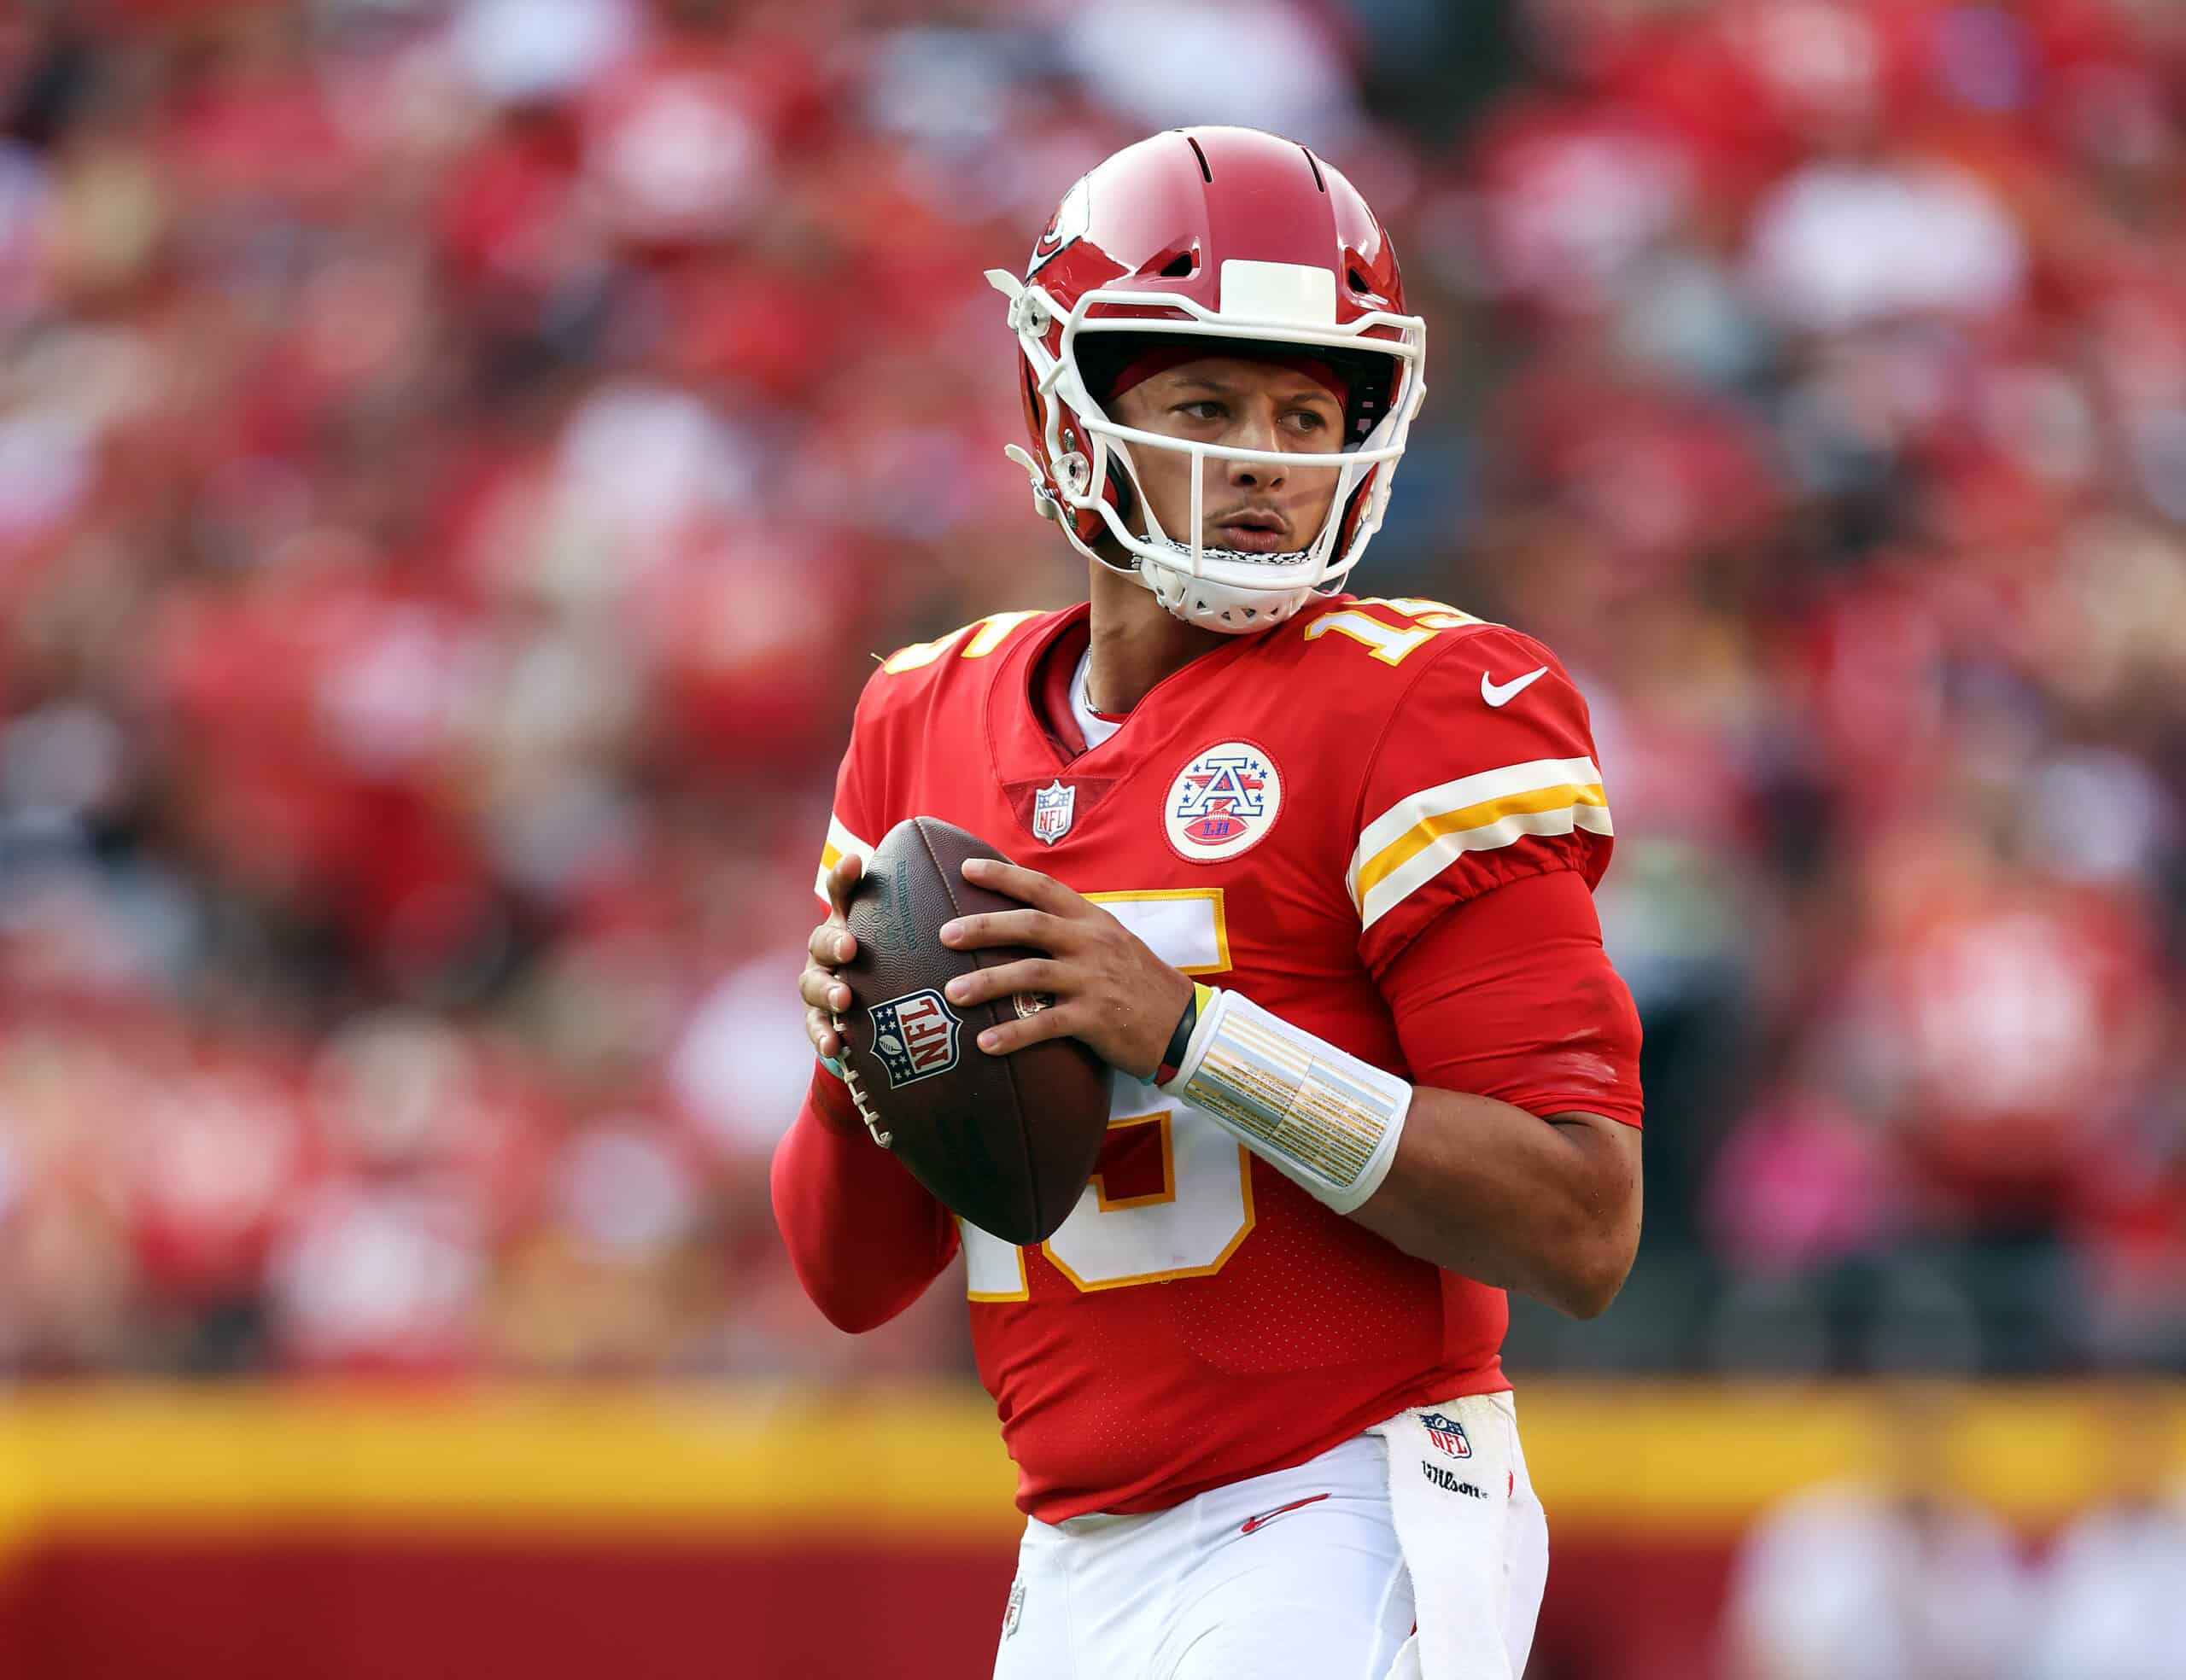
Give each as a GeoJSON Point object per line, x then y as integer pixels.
{"type": "Point", "coordinates": [1447, 1433]}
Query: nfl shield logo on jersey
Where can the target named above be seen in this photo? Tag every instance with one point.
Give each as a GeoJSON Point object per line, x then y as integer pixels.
{"type": "Point", "coordinates": [1222, 803]}
{"type": "Point", "coordinates": [1053, 807]}
{"type": "Point", "coordinates": [1447, 1433]}
{"type": "Point", "coordinates": [914, 1037]}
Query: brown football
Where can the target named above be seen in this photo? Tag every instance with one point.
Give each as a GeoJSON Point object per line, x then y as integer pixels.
{"type": "Point", "coordinates": [1006, 1142]}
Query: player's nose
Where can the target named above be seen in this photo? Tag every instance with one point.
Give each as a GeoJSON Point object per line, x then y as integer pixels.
{"type": "Point", "coordinates": [1255, 429]}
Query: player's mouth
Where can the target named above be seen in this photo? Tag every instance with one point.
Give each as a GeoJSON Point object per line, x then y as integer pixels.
{"type": "Point", "coordinates": [1255, 533]}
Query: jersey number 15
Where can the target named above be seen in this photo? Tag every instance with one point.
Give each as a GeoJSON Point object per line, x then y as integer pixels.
{"type": "Point", "coordinates": [1201, 1211]}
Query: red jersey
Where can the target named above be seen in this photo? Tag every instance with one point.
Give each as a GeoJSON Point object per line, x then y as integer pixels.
{"type": "Point", "coordinates": [1283, 816]}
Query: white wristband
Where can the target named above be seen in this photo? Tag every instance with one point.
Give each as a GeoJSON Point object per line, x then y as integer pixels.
{"type": "Point", "coordinates": [1321, 1117]}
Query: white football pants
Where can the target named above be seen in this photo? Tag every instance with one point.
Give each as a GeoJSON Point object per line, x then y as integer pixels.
{"type": "Point", "coordinates": [1416, 1551]}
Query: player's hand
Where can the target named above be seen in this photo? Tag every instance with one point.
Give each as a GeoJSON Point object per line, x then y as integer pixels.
{"type": "Point", "coordinates": [1109, 989]}
{"type": "Point", "coordinates": [830, 945]}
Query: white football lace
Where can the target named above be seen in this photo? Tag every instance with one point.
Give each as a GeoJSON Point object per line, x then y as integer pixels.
{"type": "Point", "coordinates": [866, 1112]}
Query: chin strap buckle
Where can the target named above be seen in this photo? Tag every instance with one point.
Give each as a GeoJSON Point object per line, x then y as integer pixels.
{"type": "Point", "coordinates": [1027, 313]}
{"type": "Point", "coordinates": [1044, 499]}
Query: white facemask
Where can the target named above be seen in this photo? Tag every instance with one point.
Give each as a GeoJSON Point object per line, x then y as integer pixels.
{"type": "Point", "coordinates": [1227, 590]}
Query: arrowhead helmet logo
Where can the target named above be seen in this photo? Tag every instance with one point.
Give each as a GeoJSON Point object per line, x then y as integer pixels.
{"type": "Point", "coordinates": [1074, 216]}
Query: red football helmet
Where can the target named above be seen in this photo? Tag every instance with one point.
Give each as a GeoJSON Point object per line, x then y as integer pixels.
{"type": "Point", "coordinates": [1216, 233]}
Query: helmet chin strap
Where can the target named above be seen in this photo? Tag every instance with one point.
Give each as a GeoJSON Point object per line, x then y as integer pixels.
{"type": "Point", "coordinates": [1223, 608]}
{"type": "Point", "coordinates": [1205, 601]}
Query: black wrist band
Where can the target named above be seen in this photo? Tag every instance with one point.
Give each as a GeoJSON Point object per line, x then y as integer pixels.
{"type": "Point", "coordinates": [1179, 1042]}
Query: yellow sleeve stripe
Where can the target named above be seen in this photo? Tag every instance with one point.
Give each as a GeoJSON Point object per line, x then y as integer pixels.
{"type": "Point", "coordinates": [1471, 821]}
{"type": "Point", "coordinates": [1417, 838]}
{"type": "Point", "coordinates": [841, 843]}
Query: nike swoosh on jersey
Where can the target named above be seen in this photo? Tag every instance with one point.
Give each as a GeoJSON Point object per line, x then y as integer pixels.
{"type": "Point", "coordinates": [1498, 694]}
{"type": "Point", "coordinates": [1267, 1517]}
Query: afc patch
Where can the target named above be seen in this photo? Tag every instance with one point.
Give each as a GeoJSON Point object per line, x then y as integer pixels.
{"type": "Point", "coordinates": [914, 1037]}
{"type": "Point", "coordinates": [1222, 803]}
{"type": "Point", "coordinates": [1053, 807]}
{"type": "Point", "coordinates": [1447, 1433]}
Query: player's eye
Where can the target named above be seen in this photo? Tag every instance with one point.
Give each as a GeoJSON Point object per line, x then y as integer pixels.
{"type": "Point", "coordinates": [1205, 409]}
{"type": "Point", "coordinates": [1307, 419]}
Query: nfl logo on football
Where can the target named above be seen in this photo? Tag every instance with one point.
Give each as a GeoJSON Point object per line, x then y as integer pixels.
{"type": "Point", "coordinates": [914, 1037]}
{"type": "Point", "coordinates": [1447, 1433]}
{"type": "Point", "coordinates": [1053, 807]}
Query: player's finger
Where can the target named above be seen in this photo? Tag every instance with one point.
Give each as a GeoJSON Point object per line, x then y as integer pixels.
{"type": "Point", "coordinates": [1027, 886]}
{"type": "Point", "coordinates": [1036, 928]}
{"type": "Point", "coordinates": [849, 870]}
{"type": "Point", "coordinates": [831, 943]}
{"type": "Point", "coordinates": [1056, 1023]}
{"type": "Point", "coordinates": [1029, 974]}
{"type": "Point", "coordinates": [820, 989]}
{"type": "Point", "coordinates": [820, 1028]}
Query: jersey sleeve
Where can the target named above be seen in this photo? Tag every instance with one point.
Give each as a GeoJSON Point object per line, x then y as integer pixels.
{"type": "Point", "coordinates": [864, 1236]}
{"type": "Point", "coordinates": [1510, 995]}
{"type": "Point", "coordinates": [854, 824]}
{"type": "Point", "coordinates": [1484, 773]}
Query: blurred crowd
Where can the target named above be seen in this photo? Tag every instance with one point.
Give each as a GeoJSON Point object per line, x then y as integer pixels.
{"type": "Point", "coordinates": [1899, 1573]}
{"type": "Point", "coordinates": [457, 455]}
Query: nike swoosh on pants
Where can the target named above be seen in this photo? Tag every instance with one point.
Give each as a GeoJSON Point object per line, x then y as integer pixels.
{"type": "Point", "coordinates": [1267, 1517]}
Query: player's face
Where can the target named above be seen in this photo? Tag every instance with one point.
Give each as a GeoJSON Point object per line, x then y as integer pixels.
{"type": "Point", "coordinates": [1255, 506]}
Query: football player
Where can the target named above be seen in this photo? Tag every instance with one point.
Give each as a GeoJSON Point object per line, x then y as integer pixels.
{"type": "Point", "coordinates": [1314, 878]}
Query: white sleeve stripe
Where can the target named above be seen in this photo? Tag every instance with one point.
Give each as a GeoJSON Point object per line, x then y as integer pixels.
{"type": "Point", "coordinates": [1406, 814]}
{"type": "Point", "coordinates": [840, 842]}
{"type": "Point", "coordinates": [1539, 773]}
{"type": "Point", "coordinates": [1424, 865]}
